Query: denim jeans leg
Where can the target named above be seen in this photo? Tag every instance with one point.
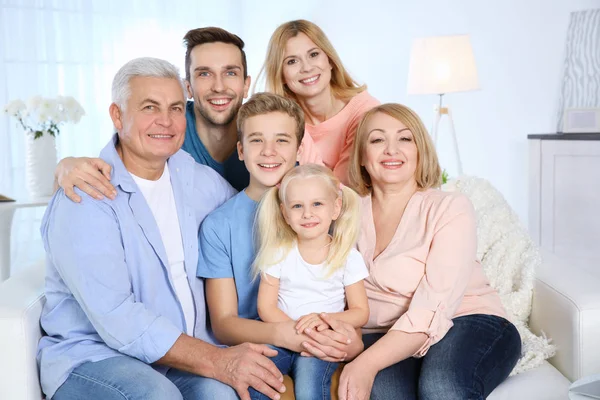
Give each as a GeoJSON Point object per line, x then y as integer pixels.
{"type": "Point", "coordinates": [116, 378]}
{"type": "Point", "coordinates": [474, 357]}
{"type": "Point", "coordinates": [312, 378]}
{"type": "Point", "coordinates": [283, 361]}
{"type": "Point", "coordinates": [398, 381]}
{"type": "Point", "coordinates": [194, 387]}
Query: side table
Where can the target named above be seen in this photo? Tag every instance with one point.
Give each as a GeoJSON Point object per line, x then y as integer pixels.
{"type": "Point", "coordinates": [7, 212]}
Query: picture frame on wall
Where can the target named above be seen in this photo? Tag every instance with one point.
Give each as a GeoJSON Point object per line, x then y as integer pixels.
{"type": "Point", "coordinates": [580, 86]}
{"type": "Point", "coordinates": [581, 120]}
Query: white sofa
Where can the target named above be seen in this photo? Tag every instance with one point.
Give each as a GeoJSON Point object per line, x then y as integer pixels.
{"type": "Point", "coordinates": [566, 306]}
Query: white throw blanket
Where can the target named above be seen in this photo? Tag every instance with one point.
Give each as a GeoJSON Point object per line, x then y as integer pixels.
{"type": "Point", "coordinates": [509, 259]}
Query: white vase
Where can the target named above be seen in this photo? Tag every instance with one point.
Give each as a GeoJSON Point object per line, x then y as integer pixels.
{"type": "Point", "coordinates": [40, 162]}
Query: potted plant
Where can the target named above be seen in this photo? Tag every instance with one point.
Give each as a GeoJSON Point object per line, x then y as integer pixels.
{"type": "Point", "coordinates": [41, 118]}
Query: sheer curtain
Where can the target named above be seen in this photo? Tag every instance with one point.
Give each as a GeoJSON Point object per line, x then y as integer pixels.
{"type": "Point", "coordinates": [74, 47]}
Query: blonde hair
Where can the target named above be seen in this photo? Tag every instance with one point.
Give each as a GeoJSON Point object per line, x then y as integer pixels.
{"type": "Point", "coordinates": [342, 85]}
{"type": "Point", "coordinates": [276, 238]}
{"type": "Point", "coordinates": [428, 173]}
{"type": "Point", "coordinates": [264, 103]}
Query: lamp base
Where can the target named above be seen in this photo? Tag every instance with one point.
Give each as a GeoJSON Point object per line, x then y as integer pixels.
{"type": "Point", "coordinates": [439, 111]}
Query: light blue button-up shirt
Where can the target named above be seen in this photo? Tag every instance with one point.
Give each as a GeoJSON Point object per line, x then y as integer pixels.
{"type": "Point", "coordinates": [109, 290]}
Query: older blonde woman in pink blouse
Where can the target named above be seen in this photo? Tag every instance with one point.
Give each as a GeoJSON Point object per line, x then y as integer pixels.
{"type": "Point", "coordinates": [437, 330]}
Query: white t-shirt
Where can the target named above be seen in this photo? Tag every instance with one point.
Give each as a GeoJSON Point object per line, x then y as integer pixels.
{"type": "Point", "coordinates": [159, 196]}
{"type": "Point", "coordinates": [305, 288]}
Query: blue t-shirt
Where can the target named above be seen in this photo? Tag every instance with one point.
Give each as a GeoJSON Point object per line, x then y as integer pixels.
{"type": "Point", "coordinates": [233, 170]}
{"type": "Point", "coordinates": [227, 249]}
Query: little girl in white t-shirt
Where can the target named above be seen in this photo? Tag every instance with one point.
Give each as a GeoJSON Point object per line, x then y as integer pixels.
{"type": "Point", "coordinates": [306, 271]}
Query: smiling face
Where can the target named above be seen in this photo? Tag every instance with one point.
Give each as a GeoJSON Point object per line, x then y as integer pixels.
{"type": "Point", "coordinates": [151, 127]}
{"type": "Point", "coordinates": [217, 82]}
{"type": "Point", "coordinates": [306, 67]}
{"type": "Point", "coordinates": [269, 149]}
{"type": "Point", "coordinates": [310, 207]}
{"type": "Point", "coordinates": [390, 153]}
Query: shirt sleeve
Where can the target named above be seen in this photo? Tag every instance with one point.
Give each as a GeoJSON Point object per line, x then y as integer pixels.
{"type": "Point", "coordinates": [448, 268]}
{"type": "Point", "coordinates": [356, 269]}
{"type": "Point", "coordinates": [340, 169]}
{"type": "Point", "coordinates": [215, 255]}
{"type": "Point", "coordinates": [286, 258]}
{"type": "Point", "coordinates": [222, 190]}
{"type": "Point", "coordinates": [274, 271]}
{"type": "Point", "coordinates": [225, 189]}
{"type": "Point", "coordinates": [85, 244]}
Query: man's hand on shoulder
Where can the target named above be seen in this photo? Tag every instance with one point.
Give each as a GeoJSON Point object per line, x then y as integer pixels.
{"type": "Point", "coordinates": [247, 365]}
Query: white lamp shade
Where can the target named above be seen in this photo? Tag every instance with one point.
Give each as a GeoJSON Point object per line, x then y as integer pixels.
{"type": "Point", "coordinates": [442, 64]}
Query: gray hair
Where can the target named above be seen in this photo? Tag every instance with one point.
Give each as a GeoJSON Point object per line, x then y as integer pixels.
{"type": "Point", "coordinates": [143, 66]}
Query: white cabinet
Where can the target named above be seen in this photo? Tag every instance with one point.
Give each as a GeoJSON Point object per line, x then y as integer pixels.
{"type": "Point", "coordinates": [564, 193]}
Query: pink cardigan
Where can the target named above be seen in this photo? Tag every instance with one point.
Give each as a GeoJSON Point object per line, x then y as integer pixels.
{"type": "Point", "coordinates": [429, 273]}
{"type": "Point", "coordinates": [330, 142]}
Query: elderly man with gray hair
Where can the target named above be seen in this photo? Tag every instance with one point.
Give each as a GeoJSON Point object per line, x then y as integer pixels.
{"type": "Point", "coordinates": [125, 316]}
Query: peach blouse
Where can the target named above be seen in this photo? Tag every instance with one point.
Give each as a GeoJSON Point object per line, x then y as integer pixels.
{"type": "Point", "coordinates": [331, 141]}
{"type": "Point", "coordinates": [429, 273]}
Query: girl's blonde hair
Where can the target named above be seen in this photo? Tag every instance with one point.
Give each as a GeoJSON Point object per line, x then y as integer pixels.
{"type": "Point", "coordinates": [342, 85]}
{"type": "Point", "coordinates": [275, 237]}
{"type": "Point", "coordinates": [428, 173]}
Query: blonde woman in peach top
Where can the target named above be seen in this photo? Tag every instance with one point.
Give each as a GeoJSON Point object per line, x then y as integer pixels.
{"type": "Point", "coordinates": [437, 330]}
{"type": "Point", "coordinates": [303, 65]}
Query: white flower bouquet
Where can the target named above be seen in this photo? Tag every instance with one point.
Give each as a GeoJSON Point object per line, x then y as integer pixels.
{"type": "Point", "coordinates": [45, 115]}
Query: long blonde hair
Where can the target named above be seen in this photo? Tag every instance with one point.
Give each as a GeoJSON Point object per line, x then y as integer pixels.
{"type": "Point", "coordinates": [275, 237]}
{"type": "Point", "coordinates": [342, 85]}
{"type": "Point", "coordinates": [428, 173]}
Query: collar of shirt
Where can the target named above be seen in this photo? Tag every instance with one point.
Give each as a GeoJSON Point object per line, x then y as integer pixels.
{"type": "Point", "coordinates": [122, 178]}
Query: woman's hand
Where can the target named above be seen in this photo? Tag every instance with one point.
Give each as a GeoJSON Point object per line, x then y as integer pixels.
{"type": "Point", "coordinates": [356, 381]}
{"type": "Point", "coordinates": [311, 321]}
{"type": "Point", "coordinates": [90, 175]}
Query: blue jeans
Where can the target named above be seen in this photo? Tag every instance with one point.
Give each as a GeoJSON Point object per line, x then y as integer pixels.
{"type": "Point", "coordinates": [474, 357]}
{"type": "Point", "coordinates": [311, 376]}
{"type": "Point", "coordinates": [126, 378]}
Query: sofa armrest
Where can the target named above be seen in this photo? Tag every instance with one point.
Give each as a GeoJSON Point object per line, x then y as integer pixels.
{"type": "Point", "coordinates": [21, 302]}
{"type": "Point", "coordinates": [566, 307]}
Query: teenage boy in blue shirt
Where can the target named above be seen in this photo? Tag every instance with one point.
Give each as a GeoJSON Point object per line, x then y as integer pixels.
{"type": "Point", "coordinates": [270, 131]}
